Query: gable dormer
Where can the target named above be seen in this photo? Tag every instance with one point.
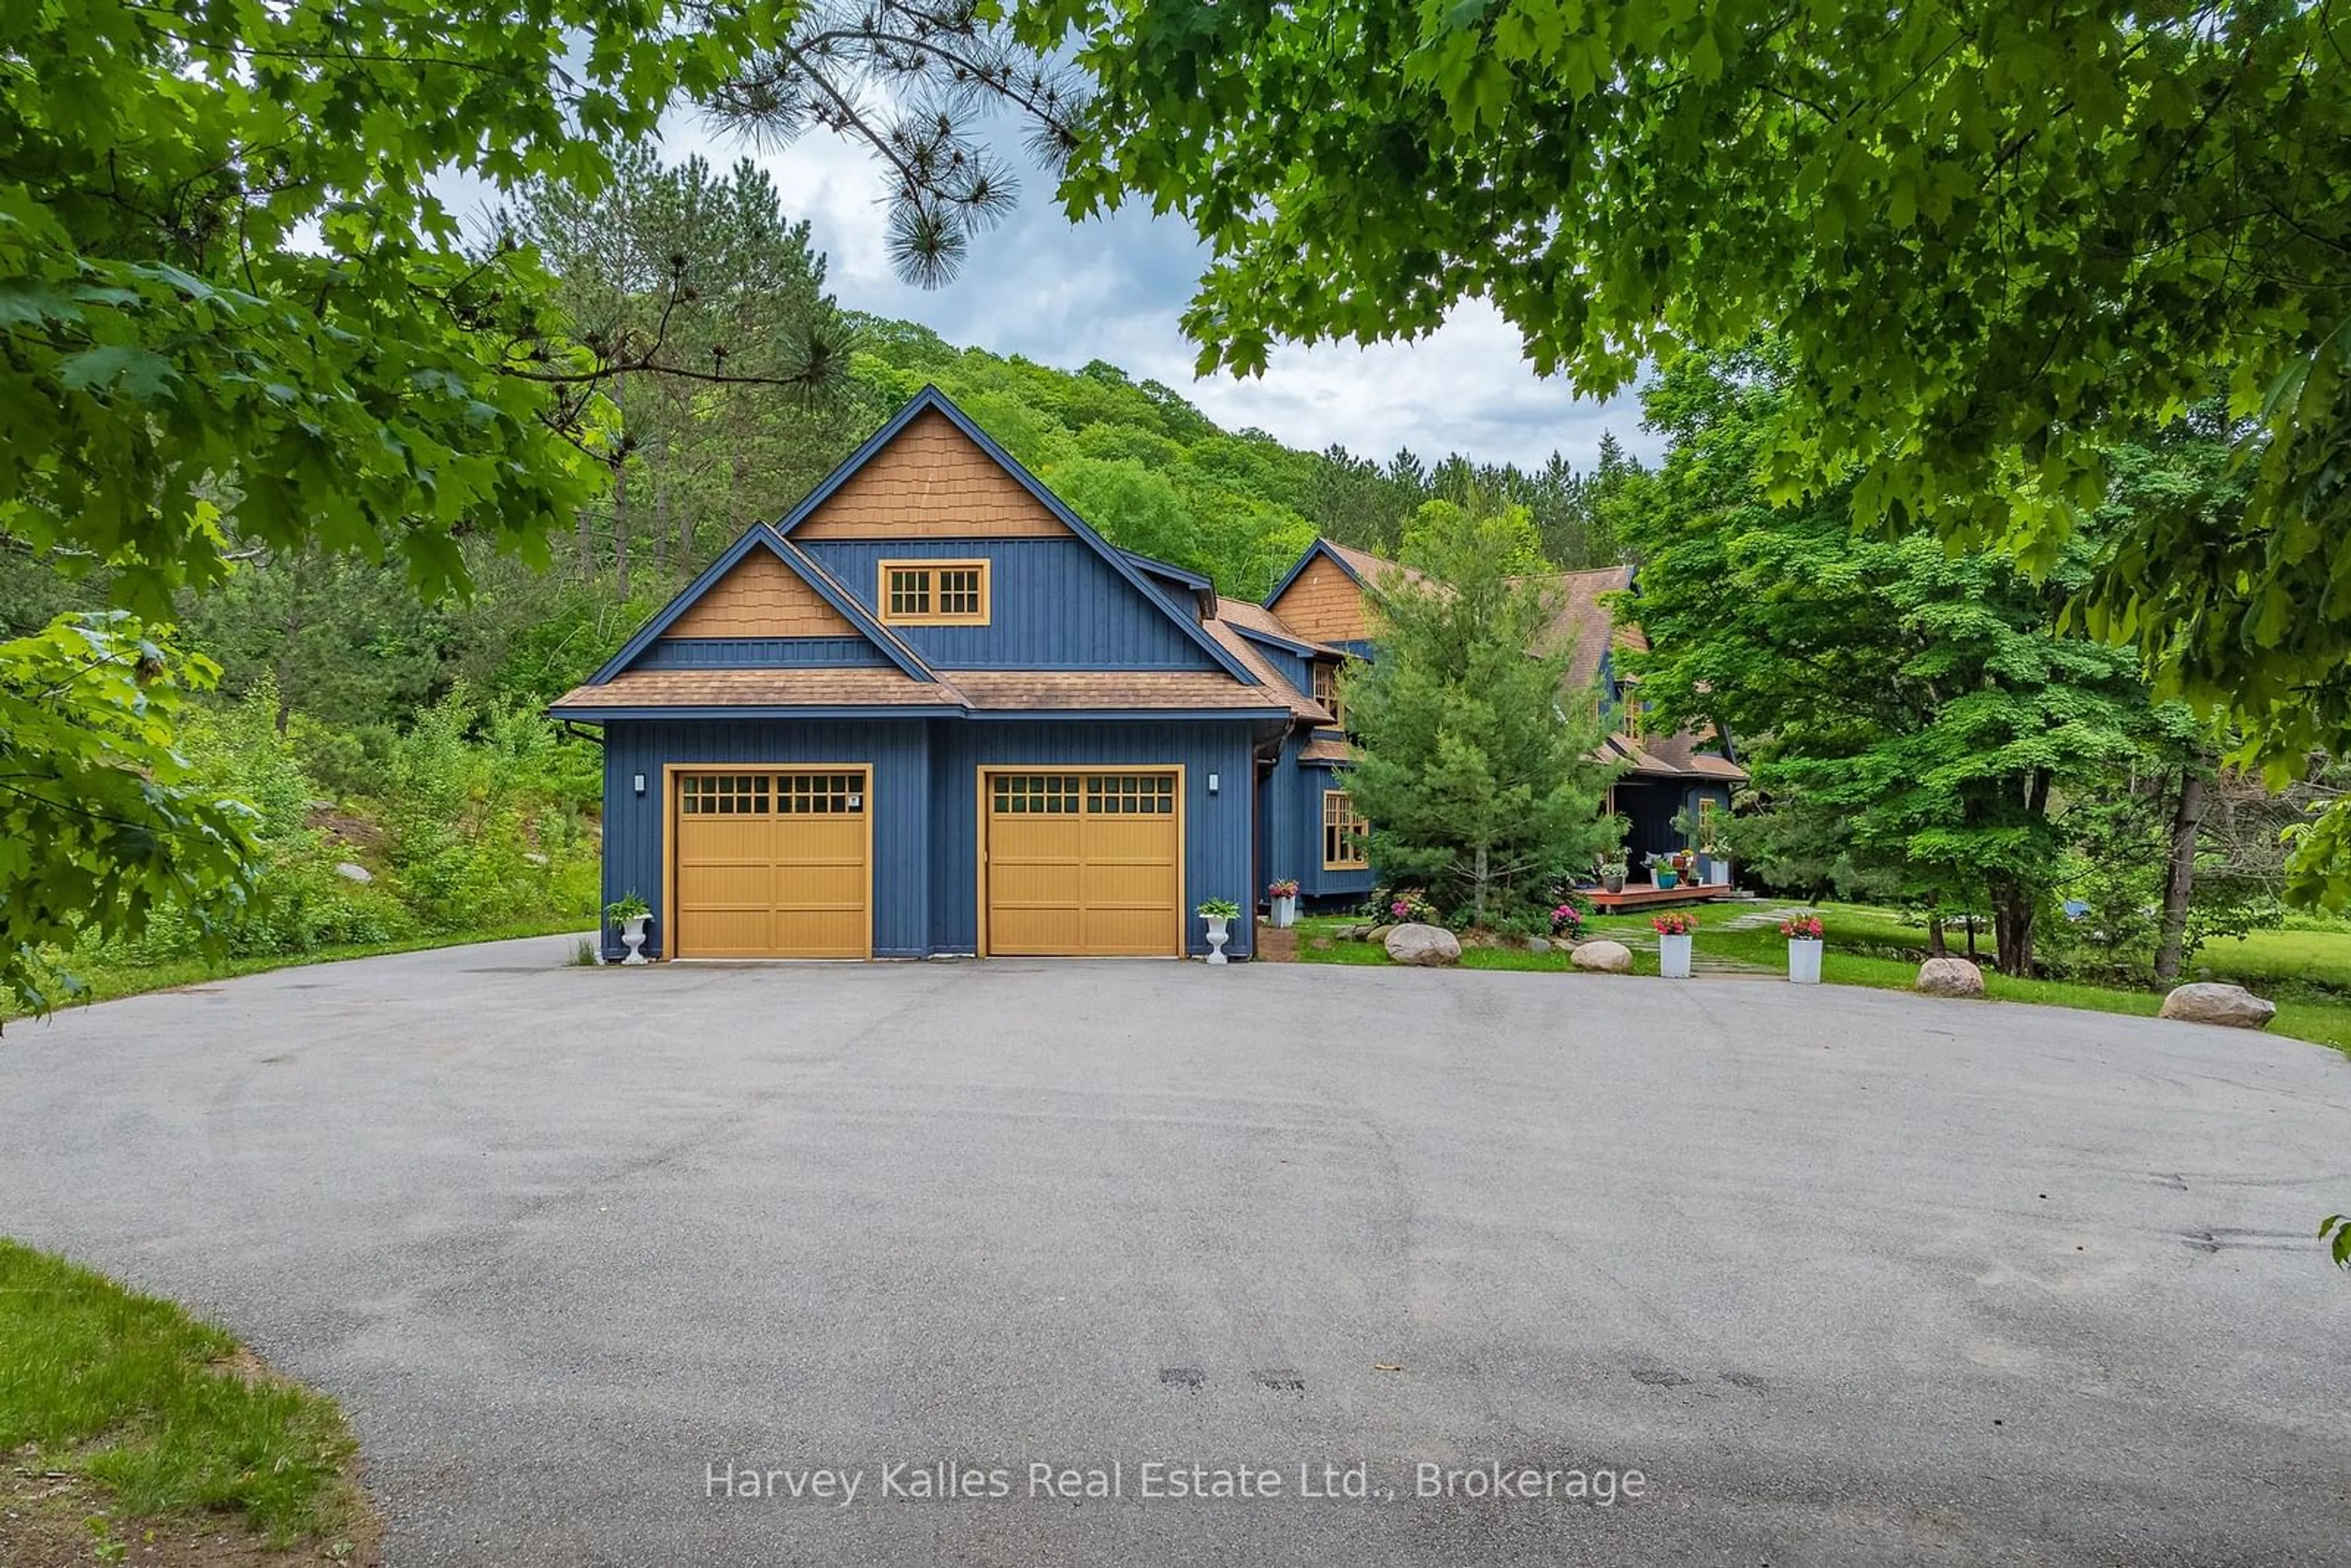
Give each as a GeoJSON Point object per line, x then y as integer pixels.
{"type": "Point", "coordinates": [763, 604]}
{"type": "Point", "coordinates": [941, 536]}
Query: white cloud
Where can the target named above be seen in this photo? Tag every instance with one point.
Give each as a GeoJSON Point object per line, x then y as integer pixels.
{"type": "Point", "coordinates": [1114, 289]}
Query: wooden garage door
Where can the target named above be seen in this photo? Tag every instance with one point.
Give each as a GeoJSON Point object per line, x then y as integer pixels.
{"type": "Point", "coordinates": [773, 865]}
{"type": "Point", "coordinates": [1084, 863]}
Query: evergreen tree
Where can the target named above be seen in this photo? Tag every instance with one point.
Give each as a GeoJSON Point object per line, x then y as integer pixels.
{"type": "Point", "coordinates": [1478, 776]}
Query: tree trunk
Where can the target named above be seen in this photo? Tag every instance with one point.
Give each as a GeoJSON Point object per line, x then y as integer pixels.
{"type": "Point", "coordinates": [2187, 819]}
{"type": "Point", "coordinates": [620, 527]}
{"type": "Point", "coordinates": [1971, 936]}
{"type": "Point", "coordinates": [660, 517]}
{"type": "Point", "coordinates": [2011, 928]}
{"type": "Point", "coordinates": [1478, 891]}
{"type": "Point", "coordinates": [1935, 948]}
{"type": "Point", "coordinates": [584, 531]}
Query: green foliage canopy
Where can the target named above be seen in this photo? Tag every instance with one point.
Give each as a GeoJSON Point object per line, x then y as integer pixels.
{"type": "Point", "coordinates": [2000, 240]}
{"type": "Point", "coordinates": [1924, 702]}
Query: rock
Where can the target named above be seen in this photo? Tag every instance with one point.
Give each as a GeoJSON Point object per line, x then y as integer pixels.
{"type": "Point", "coordinates": [1949, 977]}
{"type": "Point", "coordinates": [1413, 942]}
{"type": "Point", "coordinates": [2210, 1001]}
{"type": "Point", "coordinates": [1538, 944]}
{"type": "Point", "coordinates": [350, 871]}
{"type": "Point", "coordinates": [1607, 957]}
{"type": "Point", "coordinates": [534, 857]}
{"type": "Point", "coordinates": [1377, 932]}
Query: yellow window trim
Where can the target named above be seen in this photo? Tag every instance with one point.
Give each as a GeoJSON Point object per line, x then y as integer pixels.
{"type": "Point", "coordinates": [930, 571]}
{"type": "Point", "coordinates": [1346, 817]}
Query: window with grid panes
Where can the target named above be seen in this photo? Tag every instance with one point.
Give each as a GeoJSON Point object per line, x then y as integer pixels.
{"type": "Point", "coordinates": [724, 794]}
{"type": "Point", "coordinates": [948, 593]}
{"type": "Point", "coordinates": [1036, 794]}
{"type": "Point", "coordinates": [821, 794]}
{"type": "Point", "coordinates": [1130, 795]}
{"type": "Point", "coordinates": [1344, 829]}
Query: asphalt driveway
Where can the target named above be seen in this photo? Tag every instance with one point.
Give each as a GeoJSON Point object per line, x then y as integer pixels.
{"type": "Point", "coordinates": [1847, 1277]}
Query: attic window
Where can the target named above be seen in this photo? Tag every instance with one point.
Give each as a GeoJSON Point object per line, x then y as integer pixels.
{"type": "Point", "coordinates": [935, 592]}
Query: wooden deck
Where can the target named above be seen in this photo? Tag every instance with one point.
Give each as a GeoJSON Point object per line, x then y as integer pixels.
{"type": "Point", "coordinates": [1647, 898]}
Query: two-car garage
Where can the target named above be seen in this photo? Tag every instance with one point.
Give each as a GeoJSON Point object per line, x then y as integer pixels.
{"type": "Point", "coordinates": [778, 863]}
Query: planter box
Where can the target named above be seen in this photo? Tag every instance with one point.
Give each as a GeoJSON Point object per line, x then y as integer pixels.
{"type": "Point", "coordinates": [1285, 912]}
{"type": "Point", "coordinates": [1674, 957]}
{"type": "Point", "coordinates": [1804, 960]}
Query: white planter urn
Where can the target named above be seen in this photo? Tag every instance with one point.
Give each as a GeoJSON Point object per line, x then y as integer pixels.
{"type": "Point", "coordinates": [632, 937]}
{"type": "Point", "coordinates": [1285, 912]}
{"type": "Point", "coordinates": [1674, 957]}
{"type": "Point", "coordinates": [1221, 931]}
{"type": "Point", "coordinates": [1804, 960]}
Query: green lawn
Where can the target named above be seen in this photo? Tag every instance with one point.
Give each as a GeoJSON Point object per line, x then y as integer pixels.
{"type": "Point", "coordinates": [1876, 948]}
{"type": "Point", "coordinates": [103, 981]}
{"type": "Point", "coordinates": [2317, 958]}
{"type": "Point", "coordinates": [162, 1411]}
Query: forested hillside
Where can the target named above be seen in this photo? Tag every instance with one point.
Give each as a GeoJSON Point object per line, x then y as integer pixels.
{"type": "Point", "coordinates": [399, 738]}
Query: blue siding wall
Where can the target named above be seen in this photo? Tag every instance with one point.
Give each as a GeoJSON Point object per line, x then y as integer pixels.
{"type": "Point", "coordinates": [1055, 604]}
{"type": "Point", "coordinates": [900, 799]}
{"type": "Point", "coordinates": [755, 653]}
{"type": "Point", "coordinates": [924, 797]}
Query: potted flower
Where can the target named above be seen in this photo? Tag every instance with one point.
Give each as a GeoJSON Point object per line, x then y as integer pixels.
{"type": "Point", "coordinates": [1803, 934]}
{"type": "Point", "coordinates": [1673, 944]}
{"type": "Point", "coordinates": [1567, 923]}
{"type": "Point", "coordinates": [630, 913]}
{"type": "Point", "coordinates": [1220, 913]}
{"type": "Point", "coordinates": [1611, 875]}
{"type": "Point", "coordinates": [1284, 895]}
{"type": "Point", "coordinates": [1661, 874]}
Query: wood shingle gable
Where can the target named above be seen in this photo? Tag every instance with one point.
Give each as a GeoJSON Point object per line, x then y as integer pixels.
{"type": "Point", "coordinates": [761, 597]}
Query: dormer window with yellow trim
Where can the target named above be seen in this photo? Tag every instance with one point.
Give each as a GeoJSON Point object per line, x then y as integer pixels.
{"type": "Point", "coordinates": [935, 592]}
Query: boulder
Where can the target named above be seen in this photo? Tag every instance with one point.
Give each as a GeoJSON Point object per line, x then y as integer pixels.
{"type": "Point", "coordinates": [1607, 957]}
{"type": "Point", "coordinates": [1949, 977]}
{"type": "Point", "coordinates": [351, 871]}
{"type": "Point", "coordinates": [1538, 944]}
{"type": "Point", "coordinates": [1413, 943]}
{"type": "Point", "coordinates": [534, 857]}
{"type": "Point", "coordinates": [2208, 1001]}
{"type": "Point", "coordinates": [1378, 933]}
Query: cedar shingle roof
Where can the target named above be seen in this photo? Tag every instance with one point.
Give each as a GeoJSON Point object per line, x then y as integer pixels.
{"type": "Point", "coordinates": [1579, 621]}
{"type": "Point", "coordinates": [984, 690]}
{"type": "Point", "coordinates": [1249, 653]}
{"type": "Point", "coordinates": [1258, 618]}
{"type": "Point", "coordinates": [1321, 748]}
{"type": "Point", "coordinates": [1020, 689]}
{"type": "Point", "coordinates": [1372, 568]}
{"type": "Point", "coordinates": [817, 686]}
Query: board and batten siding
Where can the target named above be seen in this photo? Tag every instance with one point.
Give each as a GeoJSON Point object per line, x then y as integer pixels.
{"type": "Point", "coordinates": [924, 796]}
{"type": "Point", "coordinates": [899, 797]}
{"type": "Point", "coordinates": [1054, 604]}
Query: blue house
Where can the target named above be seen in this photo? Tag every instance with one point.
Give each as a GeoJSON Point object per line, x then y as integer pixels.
{"type": "Point", "coordinates": [1671, 789]}
{"type": "Point", "coordinates": [933, 712]}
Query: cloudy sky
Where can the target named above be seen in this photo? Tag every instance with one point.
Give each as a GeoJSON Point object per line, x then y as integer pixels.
{"type": "Point", "coordinates": [1064, 294]}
